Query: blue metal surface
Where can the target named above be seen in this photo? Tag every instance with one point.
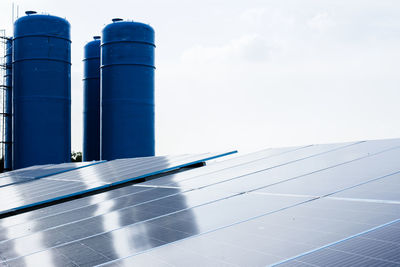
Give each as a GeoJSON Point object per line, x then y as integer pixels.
{"type": "Point", "coordinates": [91, 100]}
{"type": "Point", "coordinates": [42, 91]}
{"type": "Point", "coordinates": [127, 90]}
{"type": "Point", "coordinates": [8, 108]}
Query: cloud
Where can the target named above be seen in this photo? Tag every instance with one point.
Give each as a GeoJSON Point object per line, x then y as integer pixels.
{"type": "Point", "coordinates": [321, 21]}
{"type": "Point", "coordinates": [248, 48]}
{"type": "Point", "coordinates": [252, 15]}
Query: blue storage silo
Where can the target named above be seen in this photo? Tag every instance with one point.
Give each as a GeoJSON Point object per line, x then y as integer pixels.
{"type": "Point", "coordinates": [8, 108]}
{"type": "Point", "coordinates": [127, 90]}
{"type": "Point", "coordinates": [42, 90]}
{"type": "Point", "coordinates": [91, 100]}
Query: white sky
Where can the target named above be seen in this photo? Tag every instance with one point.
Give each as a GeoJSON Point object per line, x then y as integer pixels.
{"type": "Point", "coordinates": [253, 74]}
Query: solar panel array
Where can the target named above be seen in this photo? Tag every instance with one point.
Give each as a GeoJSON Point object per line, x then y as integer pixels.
{"type": "Point", "coordinates": [63, 185]}
{"type": "Point", "coordinates": [315, 205]}
{"type": "Point", "coordinates": [40, 171]}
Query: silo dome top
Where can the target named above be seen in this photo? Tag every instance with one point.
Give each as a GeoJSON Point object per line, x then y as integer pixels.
{"type": "Point", "coordinates": [92, 48]}
{"type": "Point", "coordinates": [128, 31]}
{"type": "Point", "coordinates": [37, 24]}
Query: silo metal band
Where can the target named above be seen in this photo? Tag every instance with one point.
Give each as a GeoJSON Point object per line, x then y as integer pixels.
{"type": "Point", "coordinates": [127, 64]}
{"type": "Point", "coordinates": [43, 35]}
{"type": "Point", "coordinates": [127, 101]}
{"type": "Point", "coordinates": [41, 98]}
{"type": "Point", "coordinates": [127, 41]}
{"type": "Point", "coordinates": [41, 58]}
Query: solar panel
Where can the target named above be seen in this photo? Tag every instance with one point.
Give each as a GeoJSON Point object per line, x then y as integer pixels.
{"type": "Point", "coordinates": [40, 171]}
{"type": "Point", "coordinates": [342, 176]}
{"type": "Point", "coordinates": [296, 165]}
{"type": "Point", "coordinates": [271, 238]}
{"type": "Point", "coordinates": [381, 190]}
{"type": "Point", "coordinates": [152, 225]}
{"type": "Point", "coordinates": [238, 167]}
{"type": "Point", "coordinates": [140, 194]}
{"type": "Point", "coordinates": [377, 247]}
{"type": "Point", "coordinates": [242, 211]}
{"type": "Point", "coordinates": [76, 182]}
{"type": "Point", "coordinates": [194, 173]}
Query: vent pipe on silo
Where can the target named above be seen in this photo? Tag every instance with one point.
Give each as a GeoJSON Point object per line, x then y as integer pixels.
{"type": "Point", "coordinates": [8, 107]}
{"type": "Point", "coordinates": [91, 100]}
{"type": "Point", "coordinates": [42, 90]}
{"type": "Point", "coordinates": [127, 90]}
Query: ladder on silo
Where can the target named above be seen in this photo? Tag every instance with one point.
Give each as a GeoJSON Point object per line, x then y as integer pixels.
{"type": "Point", "coordinates": [3, 89]}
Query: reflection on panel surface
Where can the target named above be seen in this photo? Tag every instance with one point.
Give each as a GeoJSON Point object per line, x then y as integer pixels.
{"type": "Point", "coordinates": [35, 172]}
{"type": "Point", "coordinates": [259, 209]}
{"type": "Point", "coordinates": [277, 236]}
{"type": "Point", "coordinates": [131, 231]}
{"type": "Point", "coordinates": [79, 181]}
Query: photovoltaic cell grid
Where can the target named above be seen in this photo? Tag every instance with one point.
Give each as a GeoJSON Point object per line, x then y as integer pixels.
{"type": "Point", "coordinates": [377, 247]}
{"type": "Point", "coordinates": [95, 177]}
{"type": "Point", "coordinates": [40, 171]}
{"type": "Point", "coordinates": [242, 211]}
